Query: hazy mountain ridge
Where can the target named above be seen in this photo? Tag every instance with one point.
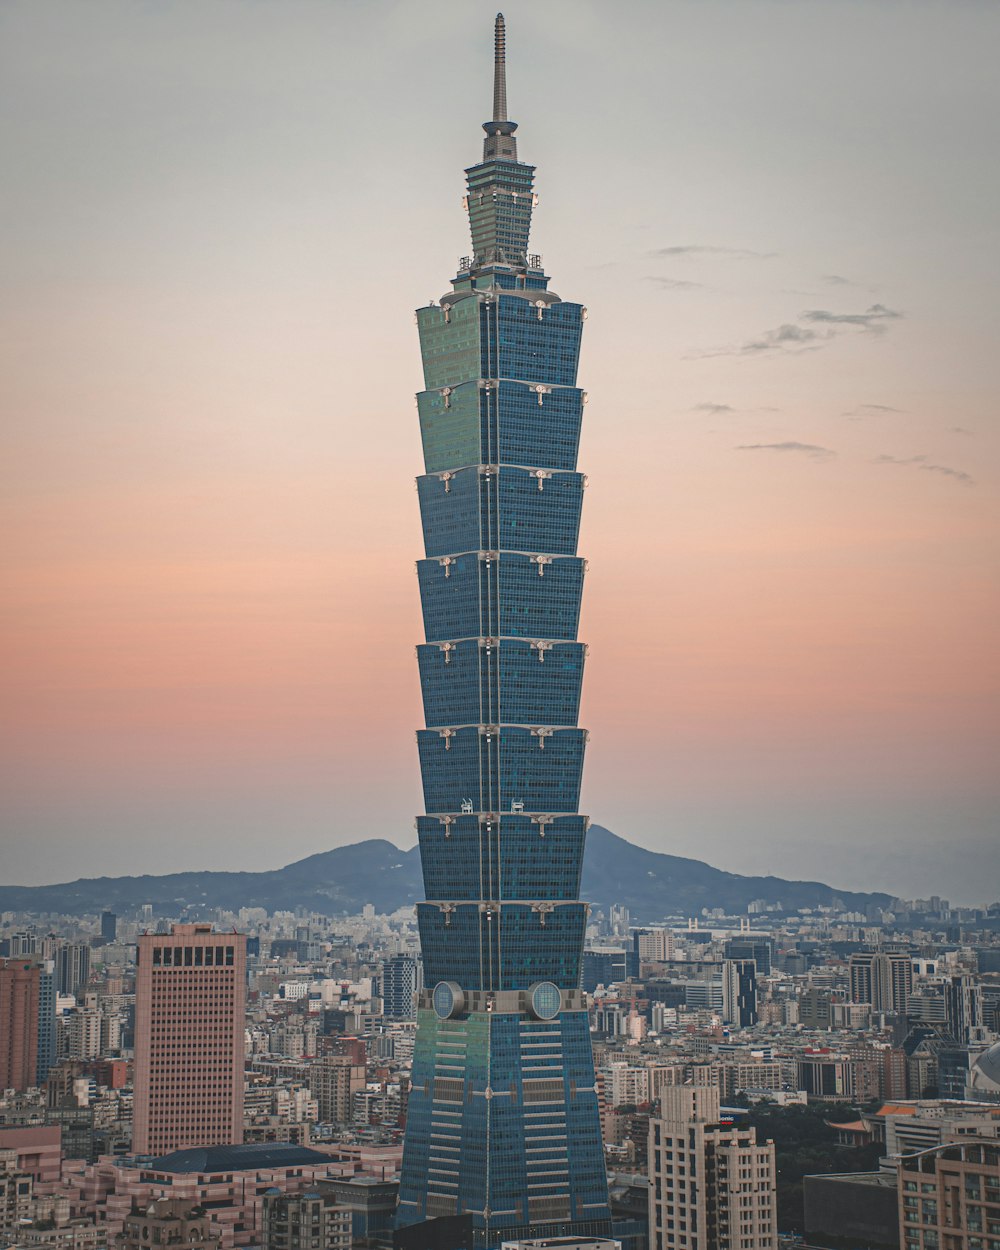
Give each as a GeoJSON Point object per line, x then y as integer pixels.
{"type": "Point", "coordinates": [651, 884]}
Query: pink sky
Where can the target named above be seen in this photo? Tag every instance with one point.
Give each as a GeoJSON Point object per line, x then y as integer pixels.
{"type": "Point", "coordinates": [211, 255]}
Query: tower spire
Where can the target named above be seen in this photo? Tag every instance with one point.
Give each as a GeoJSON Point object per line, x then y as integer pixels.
{"type": "Point", "coordinates": [500, 70]}
{"type": "Point", "coordinates": [500, 144]}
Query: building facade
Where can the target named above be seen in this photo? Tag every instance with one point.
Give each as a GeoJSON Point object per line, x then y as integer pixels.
{"type": "Point", "coordinates": [503, 1123]}
{"type": "Point", "coordinates": [189, 1039]}
{"type": "Point", "coordinates": [168, 1222]}
{"type": "Point", "coordinates": [739, 992]}
{"type": "Point", "coordinates": [949, 1198]}
{"type": "Point", "coordinates": [712, 1184]}
{"type": "Point", "coordinates": [333, 1082]}
{"type": "Point", "coordinates": [20, 995]}
{"type": "Point", "coordinates": [46, 1020]}
{"type": "Point", "coordinates": [399, 984]}
{"type": "Point", "coordinates": [307, 1221]}
{"type": "Point", "coordinates": [72, 967]}
{"type": "Point", "coordinates": [883, 979]}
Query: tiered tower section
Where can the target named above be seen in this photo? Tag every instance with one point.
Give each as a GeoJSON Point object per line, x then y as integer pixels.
{"type": "Point", "coordinates": [503, 1123]}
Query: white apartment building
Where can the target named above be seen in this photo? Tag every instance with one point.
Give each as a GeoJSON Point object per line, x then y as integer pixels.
{"type": "Point", "coordinates": [712, 1185]}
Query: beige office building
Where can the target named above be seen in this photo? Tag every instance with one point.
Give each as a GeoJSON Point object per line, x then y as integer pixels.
{"type": "Point", "coordinates": [949, 1197]}
{"type": "Point", "coordinates": [711, 1185]}
{"type": "Point", "coordinates": [333, 1082]}
{"type": "Point", "coordinates": [190, 1008]}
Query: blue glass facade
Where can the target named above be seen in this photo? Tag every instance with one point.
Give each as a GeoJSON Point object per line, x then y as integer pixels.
{"type": "Point", "coordinates": [503, 1119]}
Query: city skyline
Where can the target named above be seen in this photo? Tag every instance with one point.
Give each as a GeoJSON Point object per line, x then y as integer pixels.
{"type": "Point", "coordinates": [792, 538]}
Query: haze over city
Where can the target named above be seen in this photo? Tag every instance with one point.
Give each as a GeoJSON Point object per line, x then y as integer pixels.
{"type": "Point", "coordinates": [782, 221]}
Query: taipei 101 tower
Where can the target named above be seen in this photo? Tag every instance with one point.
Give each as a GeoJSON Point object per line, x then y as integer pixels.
{"type": "Point", "coordinates": [502, 1126]}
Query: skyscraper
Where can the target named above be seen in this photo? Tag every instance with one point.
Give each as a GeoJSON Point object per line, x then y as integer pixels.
{"type": "Point", "coordinates": [190, 998]}
{"type": "Point", "coordinates": [399, 981]}
{"type": "Point", "coordinates": [46, 1019]}
{"type": "Point", "coordinates": [739, 992]}
{"type": "Point", "coordinates": [503, 1124]}
{"type": "Point", "coordinates": [72, 967]}
{"type": "Point", "coordinates": [19, 1003]}
{"type": "Point", "coordinates": [882, 978]}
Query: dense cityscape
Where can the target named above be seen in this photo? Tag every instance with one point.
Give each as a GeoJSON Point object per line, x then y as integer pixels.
{"type": "Point", "coordinates": [499, 1060]}
{"type": "Point", "coordinates": [849, 1062]}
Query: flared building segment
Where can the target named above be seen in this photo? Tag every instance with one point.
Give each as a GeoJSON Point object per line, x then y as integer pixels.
{"type": "Point", "coordinates": [503, 1124]}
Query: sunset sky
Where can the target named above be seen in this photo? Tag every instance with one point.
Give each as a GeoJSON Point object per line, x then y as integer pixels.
{"type": "Point", "coordinates": [215, 222]}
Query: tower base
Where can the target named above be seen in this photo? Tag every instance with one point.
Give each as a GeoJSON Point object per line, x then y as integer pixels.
{"type": "Point", "coordinates": [503, 1127]}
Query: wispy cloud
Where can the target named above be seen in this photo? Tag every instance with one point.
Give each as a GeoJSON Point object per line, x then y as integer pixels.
{"type": "Point", "coordinates": [834, 279]}
{"type": "Point", "coordinates": [806, 449]}
{"type": "Point", "coordinates": [960, 429]}
{"type": "Point", "coordinates": [698, 249]}
{"type": "Point", "coordinates": [675, 284]}
{"type": "Point", "coordinates": [869, 410]}
{"type": "Point", "coordinates": [715, 409]}
{"type": "Point", "coordinates": [946, 471]}
{"type": "Point", "coordinates": [793, 337]}
{"type": "Point", "coordinates": [784, 337]}
{"type": "Point", "coordinates": [921, 462]}
{"type": "Point", "coordinates": [873, 318]}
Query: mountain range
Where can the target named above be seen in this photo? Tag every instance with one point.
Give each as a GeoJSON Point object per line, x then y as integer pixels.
{"type": "Point", "coordinates": [650, 884]}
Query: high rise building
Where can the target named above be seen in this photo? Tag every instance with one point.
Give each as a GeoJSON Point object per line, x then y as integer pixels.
{"type": "Point", "coordinates": [399, 983]}
{"type": "Point", "coordinates": [964, 999]}
{"type": "Point", "coordinates": [190, 999]}
{"type": "Point", "coordinates": [711, 1183]}
{"type": "Point", "coordinates": [46, 1020]}
{"type": "Point", "coordinates": [604, 965]}
{"type": "Point", "coordinates": [333, 1082]}
{"type": "Point", "coordinates": [653, 945]}
{"type": "Point", "coordinates": [882, 978]}
{"type": "Point", "coordinates": [503, 1123]}
{"type": "Point", "coordinates": [739, 992]}
{"type": "Point", "coordinates": [759, 949]}
{"type": "Point", "coordinates": [19, 1001]}
{"type": "Point", "coordinates": [72, 967]}
{"type": "Point", "coordinates": [109, 926]}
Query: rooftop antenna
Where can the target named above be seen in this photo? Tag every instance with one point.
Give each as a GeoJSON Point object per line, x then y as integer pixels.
{"type": "Point", "coordinates": [500, 70]}
{"type": "Point", "coordinates": [500, 142]}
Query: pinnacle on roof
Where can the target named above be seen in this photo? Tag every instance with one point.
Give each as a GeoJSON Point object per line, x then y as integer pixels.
{"type": "Point", "coordinates": [500, 70]}
{"type": "Point", "coordinates": [500, 144]}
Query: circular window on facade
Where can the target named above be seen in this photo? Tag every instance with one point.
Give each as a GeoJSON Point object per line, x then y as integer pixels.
{"type": "Point", "coordinates": [448, 999]}
{"type": "Point", "coordinates": [546, 1000]}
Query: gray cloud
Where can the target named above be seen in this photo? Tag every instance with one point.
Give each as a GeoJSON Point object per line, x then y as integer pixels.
{"type": "Point", "coordinates": [958, 474]}
{"type": "Point", "coordinates": [785, 336]}
{"type": "Point", "coordinates": [867, 410]}
{"type": "Point", "coordinates": [675, 284]}
{"type": "Point", "coordinates": [873, 318]}
{"type": "Point", "coordinates": [960, 429]}
{"type": "Point", "coordinates": [834, 279]}
{"type": "Point", "coordinates": [806, 449]}
{"type": "Point", "coordinates": [694, 249]}
{"type": "Point", "coordinates": [920, 462]}
{"type": "Point", "coordinates": [714, 409]}
{"type": "Point", "coordinates": [791, 337]}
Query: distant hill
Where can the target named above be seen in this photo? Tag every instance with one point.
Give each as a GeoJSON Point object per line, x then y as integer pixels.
{"type": "Point", "coordinates": [652, 885]}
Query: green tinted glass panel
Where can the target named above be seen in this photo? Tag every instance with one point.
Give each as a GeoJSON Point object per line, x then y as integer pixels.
{"type": "Point", "coordinates": [449, 427]}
